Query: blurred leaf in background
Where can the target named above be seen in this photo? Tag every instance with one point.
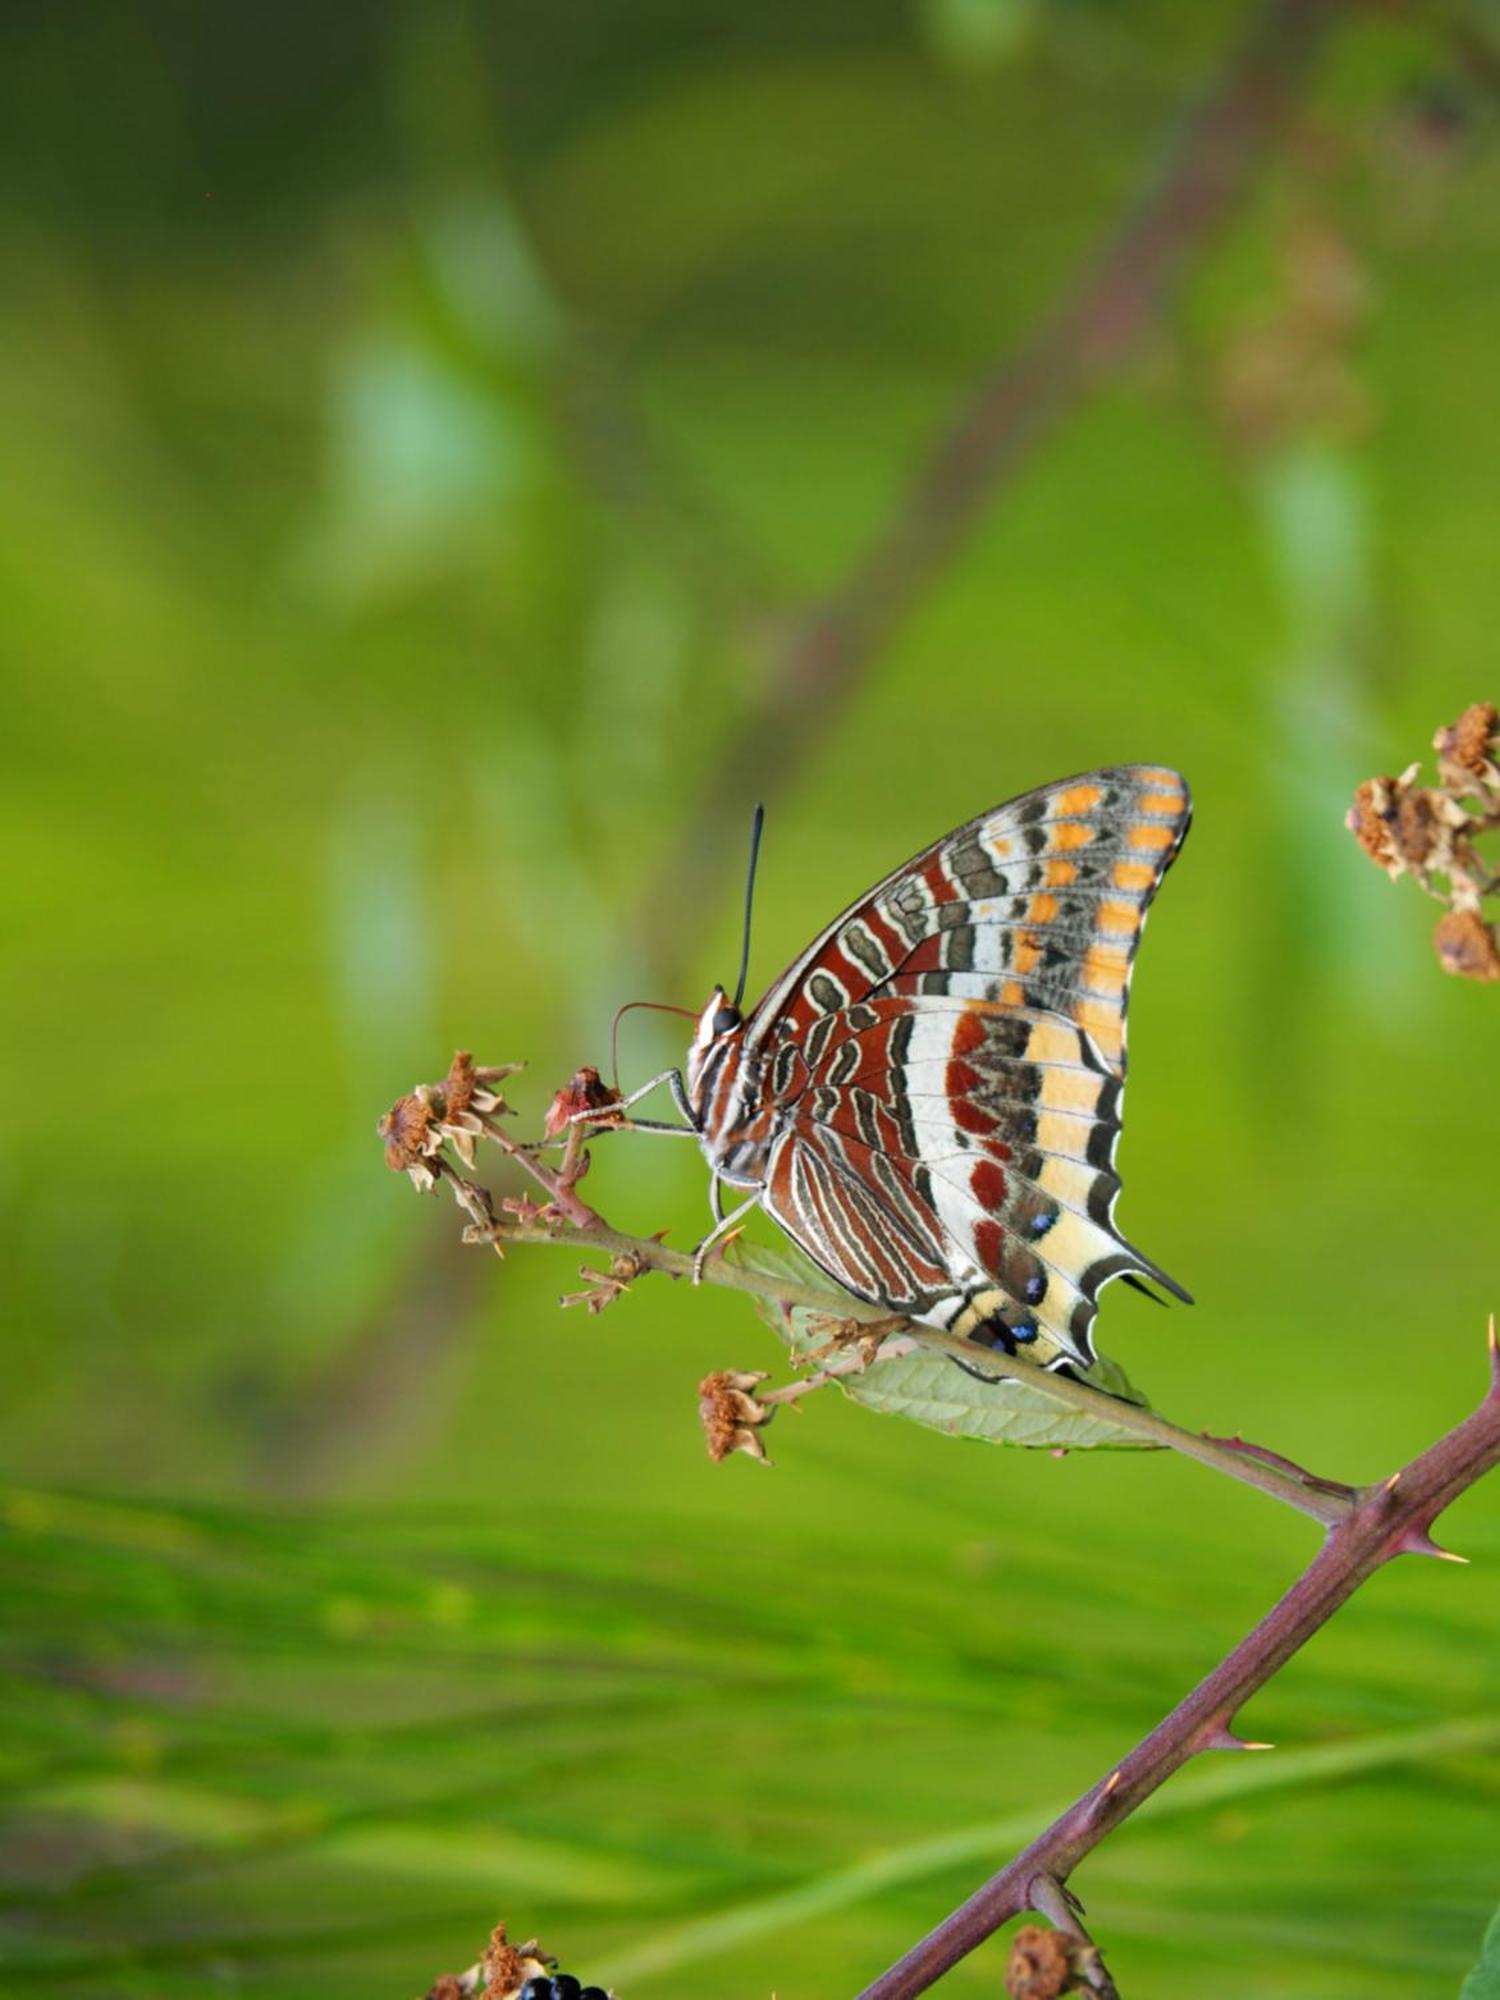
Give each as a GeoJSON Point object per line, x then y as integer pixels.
{"type": "Point", "coordinates": [1484, 1981]}
{"type": "Point", "coordinates": [423, 428]}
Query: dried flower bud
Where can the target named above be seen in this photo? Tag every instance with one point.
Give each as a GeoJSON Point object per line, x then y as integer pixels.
{"type": "Point", "coordinates": [465, 1104]}
{"type": "Point", "coordinates": [1043, 1964]}
{"type": "Point", "coordinates": [586, 1093]}
{"type": "Point", "coordinates": [1416, 832]}
{"type": "Point", "coordinates": [1369, 820]}
{"type": "Point", "coordinates": [1403, 825]}
{"type": "Point", "coordinates": [731, 1415]}
{"type": "Point", "coordinates": [1466, 945]}
{"type": "Point", "coordinates": [1467, 748]}
{"type": "Point", "coordinates": [507, 1967]}
{"type": "Point", "coordinates": [409, 1138]}
{"type": "Point", "coordinates": [449, 1987]}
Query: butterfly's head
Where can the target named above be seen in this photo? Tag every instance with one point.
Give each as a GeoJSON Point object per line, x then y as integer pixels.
{"type": "Point", "coordinates": [720, 1023]}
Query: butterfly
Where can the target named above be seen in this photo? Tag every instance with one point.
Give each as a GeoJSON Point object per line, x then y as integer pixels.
{"type": "Point", "coordinates": [928, 1099]}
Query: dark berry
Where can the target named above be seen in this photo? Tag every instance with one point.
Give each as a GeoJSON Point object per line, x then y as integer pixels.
{"type": "Point", "coordinates": [540, 1988]}
{"type": "Point", "coordinates": [593, 1993]}
{"type": "Point", "coordinates": [565, 1987]}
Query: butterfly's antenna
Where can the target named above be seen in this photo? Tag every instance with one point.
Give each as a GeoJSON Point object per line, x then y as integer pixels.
{"type": "Point", "coordinates": [656, 1007]}
{"type": "Point", "coordinates": [755, 829]}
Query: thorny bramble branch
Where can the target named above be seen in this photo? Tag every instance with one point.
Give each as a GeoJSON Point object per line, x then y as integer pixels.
{"type": "Point", "coordinates": [1391, 1518]}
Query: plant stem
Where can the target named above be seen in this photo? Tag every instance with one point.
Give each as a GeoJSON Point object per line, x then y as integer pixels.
{"type": "Point", "coordinates": [1390, 1519]}
{"type": "Point", "coordinates": [1325, 1500]}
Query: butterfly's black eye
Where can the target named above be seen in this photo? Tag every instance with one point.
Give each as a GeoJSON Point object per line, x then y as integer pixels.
{"type": "Point", "coordinates": [726, 1020]}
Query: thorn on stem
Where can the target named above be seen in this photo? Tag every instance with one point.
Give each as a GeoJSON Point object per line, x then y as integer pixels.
{"type": "Point", "coordinates": [1417, 1542]}
{"type": "Point", "coordinates": [1222, 1737]}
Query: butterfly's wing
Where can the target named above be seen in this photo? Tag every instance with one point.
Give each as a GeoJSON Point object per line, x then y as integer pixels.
{"type": "Point", "coordinates": [1037, 904]}
{"type": "Point", "coordinates": [951, 1053]}
{"type": "Point", "coordinates": [954, 1160]}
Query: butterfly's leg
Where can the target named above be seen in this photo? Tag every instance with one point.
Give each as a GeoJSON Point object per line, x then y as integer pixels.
{"type": "Point", "coordinates": [673, 1080]}
{"type": "Point", "coordinates": [720, 1230]}
{"type": "Point", "coordinates": [651, 1125]}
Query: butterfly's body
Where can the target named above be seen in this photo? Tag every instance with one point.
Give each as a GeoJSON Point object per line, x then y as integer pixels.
{"type": "Point", "coordinates": [928, 1099]}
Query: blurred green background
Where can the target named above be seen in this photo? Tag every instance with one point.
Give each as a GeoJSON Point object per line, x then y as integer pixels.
{"type": "Point", "coordinates": [423, 429]}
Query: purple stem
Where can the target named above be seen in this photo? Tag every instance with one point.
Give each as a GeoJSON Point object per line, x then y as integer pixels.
{"type": "Point", "coordinates": [1390, 1520]}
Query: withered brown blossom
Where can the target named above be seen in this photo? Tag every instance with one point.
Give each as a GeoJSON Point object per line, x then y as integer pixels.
{"type": "Point", "coordinates": [585, 1093]}
{"type": "Point", "coordinates": [506, 1967]}
{"type": "Point", "coordinates": [456, 1112]}
{"type": "Point", "coordinates": [1408, 828]}
{"type": "Point", "coordinates": [1467, 748]}
{"type": "Point", "coordinates": [1046, 1963]}
{"type": "Point", "coordinates": [1466, 944]}
{"type": "Point", "coordinates": [731, 1413]}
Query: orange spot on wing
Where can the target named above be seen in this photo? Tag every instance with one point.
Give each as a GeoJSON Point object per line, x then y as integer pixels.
{"type": "Point", "coordinates": [1052, 1041]}
{"type": "Point", "coordinates": [1105, 970]}
{"type": "Point", "coordinates": [1132, 875]}
{"type": "Point", "coordinates": [1168, 804]}
{"type": "Point", "coordinates": [1012, 994]}
{"type": "Point", "coordinates": [1075, 800]}
{"type": "Point", "coordinates": [1068, 834]}
{"type": "Point", "coordinates": [1101, 1018]}
{"type": "Point", "coordinates": [1024, 952]}
{"type": "Point", "coordinates": [1043, 909]}
{"type": "Point", "coordinates": [1060, 873]}
{"type": "Point", "coordinates": [1155, 838]}
{"type": "Point", "coordinates": [1162, 777]}
{"type": "Point", "coordinates": [1119, 918]}
{"type": "Point", "coordinates": [1072, 1090]}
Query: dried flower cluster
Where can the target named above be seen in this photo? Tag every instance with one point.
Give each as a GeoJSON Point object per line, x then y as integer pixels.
{"type": "Point", "coordinates": [1045, 1964]}
{"type": "Point", "coordinates": [732, 1414]}
{"type": "Point", "coordinates": [1408, 828]}
{"type": "Point", "coordinates": [456, 1112]}
{"type": "Point", "coordinates": [512, 1972]}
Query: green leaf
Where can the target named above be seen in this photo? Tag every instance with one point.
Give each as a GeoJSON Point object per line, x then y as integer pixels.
{"type": "Point", "coordinates": [1483, 1983]}
{"type": "Point", "coordinates": [928, 1387]}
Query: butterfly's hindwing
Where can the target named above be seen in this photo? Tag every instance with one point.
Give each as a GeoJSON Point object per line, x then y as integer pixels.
{"type": "Point", "coordinates": [998, 1128]}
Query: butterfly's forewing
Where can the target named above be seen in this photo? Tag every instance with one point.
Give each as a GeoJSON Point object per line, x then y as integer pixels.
{"type": "Point", "coordinates": [951, 1052]}
{"type": "Point", "coordinates": [1036, 904]}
